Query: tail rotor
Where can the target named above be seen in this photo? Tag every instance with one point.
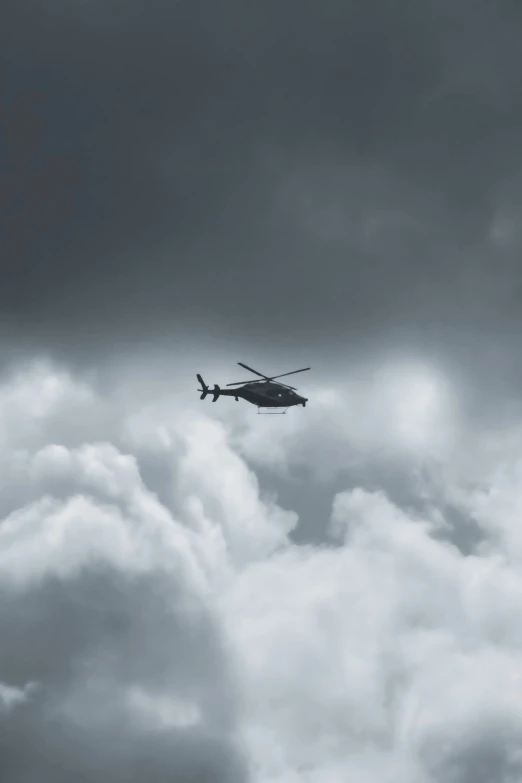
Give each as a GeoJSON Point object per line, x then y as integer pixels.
{"type": "Point", "coordinates": [204, 387]}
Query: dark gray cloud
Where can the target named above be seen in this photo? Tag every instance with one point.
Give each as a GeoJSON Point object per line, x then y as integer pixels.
{"type": "Point", "coordinates": [87, 641]}
{"type": "Point", "coordinates": [292, 172]}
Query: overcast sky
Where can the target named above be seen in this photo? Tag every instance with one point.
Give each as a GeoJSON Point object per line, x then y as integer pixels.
{"type": "Point", "coordinates": [192, 592]}
{"type": "Point", "coordinates": [296, 173]}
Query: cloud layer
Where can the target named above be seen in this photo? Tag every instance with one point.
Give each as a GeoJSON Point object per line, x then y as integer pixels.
{"type": "Point", "coordinates": [157, 620]}
{"type": "Point", "coordinates": [355, 165]}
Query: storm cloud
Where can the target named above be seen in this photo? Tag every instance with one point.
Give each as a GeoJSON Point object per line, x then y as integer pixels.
{"type": "Point", "coordinates": [190, 592]}
{"type": "Point", "coordinates": [342, 175]}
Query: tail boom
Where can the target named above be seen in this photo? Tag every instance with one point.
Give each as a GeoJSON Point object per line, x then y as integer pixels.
{"type": "Point", "coordinates": [216, 392]}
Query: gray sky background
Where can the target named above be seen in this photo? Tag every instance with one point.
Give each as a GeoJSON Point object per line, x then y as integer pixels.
{"type": "Point", "coordinates": [190, 184]}
{"type": "Point", "coordinates": [289, 174]}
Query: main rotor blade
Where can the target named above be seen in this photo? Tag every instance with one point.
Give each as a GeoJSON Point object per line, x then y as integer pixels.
{"type": "Point", "coordinates": [251, 370]}
{"type": "Point", "coordinates": [289, 373]}
{"type": "Point", "coordinates": [238, 383]}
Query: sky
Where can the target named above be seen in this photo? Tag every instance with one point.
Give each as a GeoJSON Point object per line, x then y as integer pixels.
{"type": "Point", "coordinates": [190, 591]}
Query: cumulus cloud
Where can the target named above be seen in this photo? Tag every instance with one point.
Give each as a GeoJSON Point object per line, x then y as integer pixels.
{"type": "Point", "coordinates": [107, 604]}
{"type": "Point", "coordinates": [393, 411]}
{"type": "Point", "coordinates": [390, 658]}
{"type": "Point", "coordinates": [157, 619]}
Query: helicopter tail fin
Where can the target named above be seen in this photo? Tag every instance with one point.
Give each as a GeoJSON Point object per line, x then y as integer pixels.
{"type": "Point", "coordinates": [216, 392]}
{"type": "Point", "coordinates": [204, 387]}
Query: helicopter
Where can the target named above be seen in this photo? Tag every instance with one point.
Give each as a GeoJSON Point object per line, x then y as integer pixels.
{"type": "Point", "coordinates": [265, 393]}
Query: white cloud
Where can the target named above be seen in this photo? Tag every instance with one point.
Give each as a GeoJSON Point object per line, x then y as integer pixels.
{"type": "Point", "coordinates": [156, 598]}
{"type": "Point", "coordinates": [11, 697]}
{"type": "Point", "coordinates": [397, 411]}
{"type": "Point", "coordinates": [391, 644]}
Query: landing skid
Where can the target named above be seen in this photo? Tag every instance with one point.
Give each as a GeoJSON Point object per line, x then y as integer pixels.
{"type": "Point", "coordinates": [268, 412]}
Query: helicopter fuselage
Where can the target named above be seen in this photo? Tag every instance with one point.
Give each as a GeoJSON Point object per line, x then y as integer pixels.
{"type": "Point", "coordinates": [266, 394]}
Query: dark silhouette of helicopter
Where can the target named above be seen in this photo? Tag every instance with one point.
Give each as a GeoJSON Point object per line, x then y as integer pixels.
{"type": "Point", "coordinates": [264, 393]}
